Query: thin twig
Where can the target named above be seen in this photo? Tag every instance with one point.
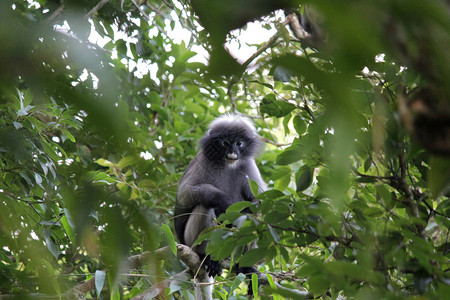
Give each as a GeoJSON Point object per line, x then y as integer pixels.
{"type": "Point", "coordinates": [275, 143]}
{"type": "Point", "coordinates": [147, 16]}
{"type": "Point", "coordinates": [89, 44]}
{"type": "Point", "coordinates": [95, 9]}
{"type": "Point", "coordinates": [56, 12]}
{"type": "Point", "coordinates": [236, 77]}
{"type": "Point", "coordinates": [266, 45]}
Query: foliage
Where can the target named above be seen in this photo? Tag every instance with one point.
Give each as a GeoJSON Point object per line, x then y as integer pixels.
{"type": "Point", "coordinates": [95, 136]}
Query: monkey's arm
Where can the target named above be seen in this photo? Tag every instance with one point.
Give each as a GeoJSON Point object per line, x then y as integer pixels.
{"type": "Point", "coordinates": [246, 192]}
{"type": "Point", "coordinates": [208, 196]}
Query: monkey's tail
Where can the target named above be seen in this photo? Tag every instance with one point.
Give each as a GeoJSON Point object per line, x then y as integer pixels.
{"type": "Point", "coordinates": [204, 288]}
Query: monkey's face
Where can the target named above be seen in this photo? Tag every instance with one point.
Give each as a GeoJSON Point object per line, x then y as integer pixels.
{"type": "Point", "coordinates": [227, 145]}
{"type": "Point", "coordinates": [232, 149]}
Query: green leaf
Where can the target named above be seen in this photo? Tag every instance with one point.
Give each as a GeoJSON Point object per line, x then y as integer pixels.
{"type": "Point", "coordinates": [100, 277]}
{"type": "Point", "coordinates": [68, 229]}
{"type": "Point", "coordinates": [271, 281]}
{"type": "Point", "coordinates": [27, 98]}
{"type": "Point", "coordinates": [304, 67]}
{"type": "Point", "coordinates": [367, 163]}
{"type": "Point", "coordinates": [279, 213]}
{"type": "Point", "coordinates": [439, 175]}
{"type": "Point", "coordinates": [236, 282]}
{"type": "Point", "coordinates": [286, 120]}
{"type": "Point", "coordinates": [252, 256]}
{"type": "Point", "coordinates": [255, 285]}
{"type": "Point", "coordinates": [170, 239]}
{"type": "Point", "coordinates": [69, 135]}
{"type": "Point", "coordinates": [38, 179]}
{"type": "Point", "coordinates": [290, 155]}
{"type": "Point", "coordinates": [280, 172]}
{"type": "Point", "coordinates": [318, 285]}
{"type": "Point", "coordinates": [253, 186]}
{"type": "Point", "coordinates": [27, 178]}
{"type": "Point", "coordinates": [282, 183]}
{"type": "Point", "coordinates": [304, 178]}
{"type": "Point", "coordinates": [114, 286]}
{"type": "Point", "coordinates": [282, 74]}
{"type": "Point", "coordinates": [52, 277]}
{"type": "Point", "coordinates": [180, 126]}
{"type": "Point", "coordinates": [51, 246]}
{"type": "Point", "coordinates": [127, 160]}
{"type": "Point", "coordinates": [385, 195]}
{"type": "Point", "coordinates": [102, 177]}
{"type": "Point", "coordinates": [121, 47]}
{"type": "Point", "coordinates": [103, 162]}
{"type": "Point", "coordinates": [275, 108]}
{"type": "Point", "coordinates": [274, 233]}
{"type": "Point", "coordinates": [299, 125]}
{"type": "Point", "coordinates": [238, 206]}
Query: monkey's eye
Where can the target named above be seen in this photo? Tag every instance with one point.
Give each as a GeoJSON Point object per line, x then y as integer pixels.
{"type": "Point", "coordinates": [240, 144]}
{"type": "Point", "coordinates": [225, 143]}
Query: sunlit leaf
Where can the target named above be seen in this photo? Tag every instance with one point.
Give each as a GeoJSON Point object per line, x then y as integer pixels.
{"type": "Point", "coordinates": [282, 74]}
{"type": "Point", "coordinates": [51, 246]}
{"type": "Point", "coordinates": [100, 277]}
{"type": "Point", "coordinates": [237, 281]}
{"type": "Point", "coordinates": [255, 284]}
{"type": "Point", "coordinates": [290, 155]}
{"type": "Point", "coordinates": [299, 125]}
{"type": "Point", "coordinates": [169, 237]}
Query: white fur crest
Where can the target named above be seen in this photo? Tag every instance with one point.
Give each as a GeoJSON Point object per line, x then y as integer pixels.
{"type": "Point", "coordinates": [230, 118]}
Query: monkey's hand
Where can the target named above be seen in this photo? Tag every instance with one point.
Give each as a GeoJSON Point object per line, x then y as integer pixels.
{"type": "Point", "coordinates": [221, 206]}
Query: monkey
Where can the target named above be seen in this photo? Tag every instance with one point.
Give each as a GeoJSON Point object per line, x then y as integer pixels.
{"type": "Point", "coordinates": [216, 178]}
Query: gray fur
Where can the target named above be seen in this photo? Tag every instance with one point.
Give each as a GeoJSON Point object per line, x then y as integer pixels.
{"type": "Point", "coordinates": [217, 177]}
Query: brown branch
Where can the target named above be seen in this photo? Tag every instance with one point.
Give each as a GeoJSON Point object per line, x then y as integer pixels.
{"type": "Point", "coordinates": [191, 259]}
{"type": "Point", "coordinates": [297, 29]}
{"type": "Point", "coordinates": [267, 44]}
{"type": "Point", "coordinates": [56, 12]}
{"type": "Point", "coordinates": [381, 178]}
{"type": "Point", "coordinates": [235, 78]}
{"type": "Point", "coordinates": [138, 260]}
{"type": "Point", "coordinates": [308, 110]}
{"type": "Point", "coordinates": [300, 294]}
{"type": "Point", "coordinates": [87, 43]}
{"type": "Point", "coordinates": [275, 143]}
{"type": "Point", "coordinates": [141, 11]}
{"type": "Point", "coordinates": [80, 290]}
{"type": "Point", "coordinates": [158, 288]}
{"type": "Point", "coordinates": [96, 8]}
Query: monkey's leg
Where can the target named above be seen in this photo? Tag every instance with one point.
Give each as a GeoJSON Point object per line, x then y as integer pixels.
{"type": "Point", "coordinates": [201, 218]}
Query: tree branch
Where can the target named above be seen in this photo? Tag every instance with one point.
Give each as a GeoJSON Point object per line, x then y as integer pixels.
{"type": "Point", "coordinates": [235, 78]}
{"type": "Point", "coordinates": [267, 44]}
{"type": "Point", "coordinates": [56, 12]}
{"type": "Point", "coordinates": [79, 291]}
{"type": "Point", "coordinates": [95, 9]}
{"type": "Point", "coordinates": [159, 287]}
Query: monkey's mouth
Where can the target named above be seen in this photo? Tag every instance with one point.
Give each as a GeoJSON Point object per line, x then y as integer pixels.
{"type": "Point", "coordinates": [232, 157]}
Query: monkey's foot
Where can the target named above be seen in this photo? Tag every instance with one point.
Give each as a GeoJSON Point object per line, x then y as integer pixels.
{"type": "Point", "coordinates": [213, 267]}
